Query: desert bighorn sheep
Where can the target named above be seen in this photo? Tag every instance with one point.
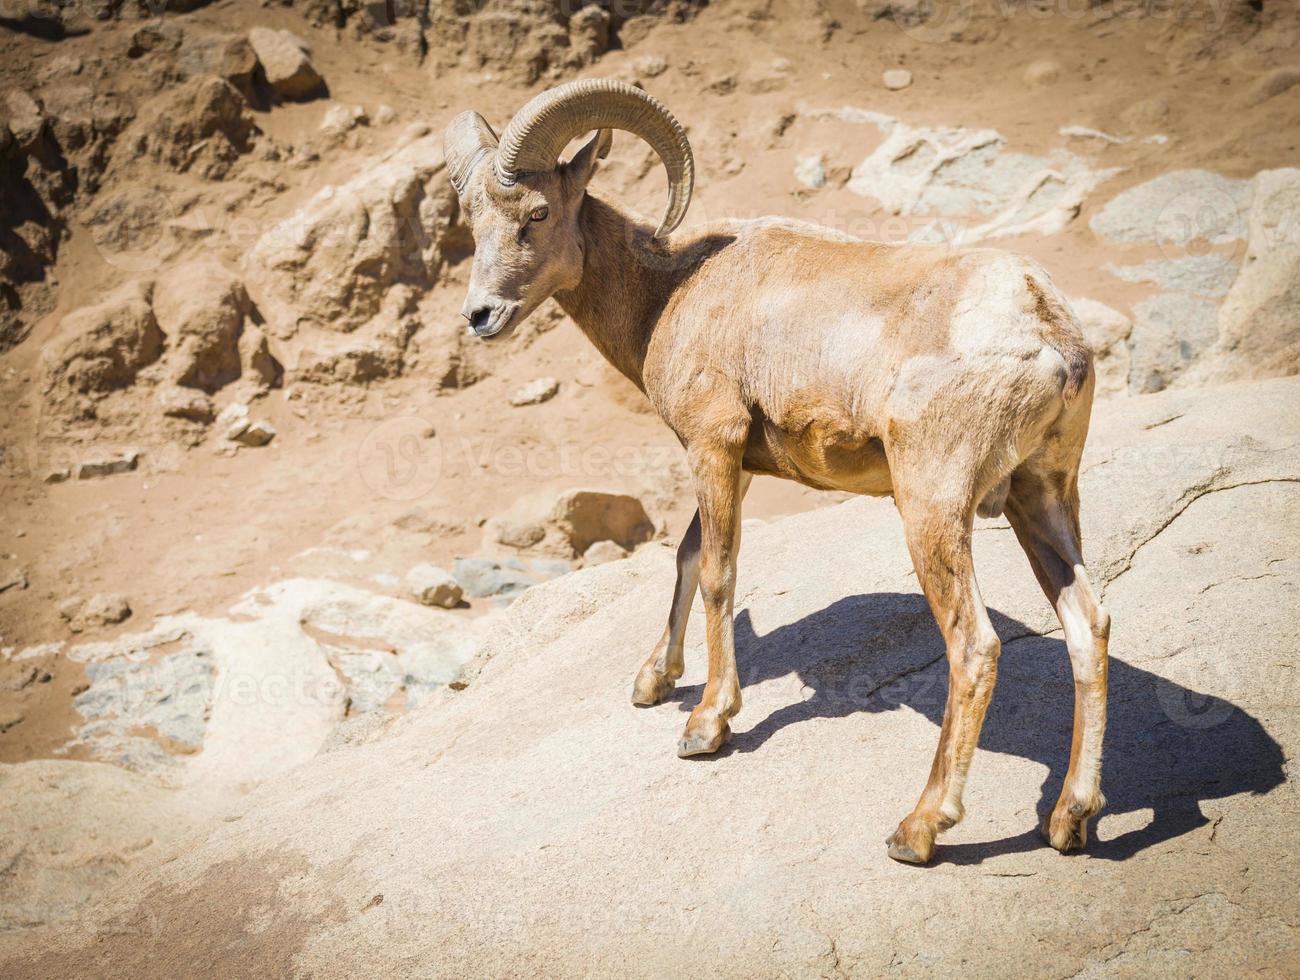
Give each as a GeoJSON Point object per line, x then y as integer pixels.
{"type": "Point", "coordinates": [956, 380]}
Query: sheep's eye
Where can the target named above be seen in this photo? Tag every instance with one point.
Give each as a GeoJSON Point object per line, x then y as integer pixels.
{"type": "Point", "coordinates": [539, 214]}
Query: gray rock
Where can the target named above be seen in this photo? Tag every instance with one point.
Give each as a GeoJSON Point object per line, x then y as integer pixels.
{"type": "Point", "coordinates": [1170, 330]}
{"type": "Point", "coordinates": [957, 173]}
{"type": "Point", "coordinates": [1209, 275]}
{"type": "Point", "coordinates": [483, 577]}
{"type": "Point", "coordinates": [373, 678]}
{"type": "Point", "coordinates": [171, 697]}
{"type": "Point", "coordinates": [1177, 208]}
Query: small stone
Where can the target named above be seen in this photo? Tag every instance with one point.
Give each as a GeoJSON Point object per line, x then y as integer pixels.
{"type": "Point", "coordinates": [896, 78]}
{"type": "Point", "coordinates": [15, 578]}
{"type": "Point", "coordinates": [535, 392]}
{"type": "Point", "coordinates": [58, 475]}
{"type": "Point", "coordinates": [650, 65]}
{"type": "Point", "coordinates": [108, 466]}
{"type": "Point", "coordinates": [434, 586]}
{"type": "Point", "coordinates": [70, 607]}
{"type": "Point", "coordinates": [341, 118]}
{"type": "Point", "coordinates": [1042, 73]}
{"type": "Point", "coordinates": [186, 403]}
{"type": "Point", "coordinates": [810, 171]}
{"type": "Point", "coordinates": [384, 115]}
{"type": "Point", "coordinates": [248, 433]}
{"type": "Point", "coordinates": [519, 534]}
{"type": "Point", "coordinates": [105, 609]}
{"type": "Point", "coordinates": [602, 552]}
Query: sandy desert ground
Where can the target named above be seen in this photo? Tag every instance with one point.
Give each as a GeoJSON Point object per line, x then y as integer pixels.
{"type": "Point", "coordinates": [318, 618]}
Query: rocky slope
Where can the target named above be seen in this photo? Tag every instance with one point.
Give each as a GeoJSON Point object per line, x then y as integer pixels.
{"type": "Point", "coordinates": [537, 822]}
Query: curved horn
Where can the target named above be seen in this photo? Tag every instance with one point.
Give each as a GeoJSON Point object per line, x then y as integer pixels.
{"type": "Point", "coordinates": [467, 140]}
{"type": "Point", "coordinates": [542, 129]}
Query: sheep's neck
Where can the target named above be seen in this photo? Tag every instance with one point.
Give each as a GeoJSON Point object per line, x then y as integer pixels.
{"type": "Point", "coordinates": [625, 284]}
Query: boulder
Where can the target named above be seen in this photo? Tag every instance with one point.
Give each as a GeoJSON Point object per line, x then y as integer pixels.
{"type": "Point", "coordinates": [332, 263]}
{"type": "Point", "coordinates": [1170, 330]}
{"type": "Point", "coordinates": [584, 517]}
{"type": "Point", "coordinates": [482, 578]}
{"type": "Point", "coordinates": [1259, 321]}
{"type": "Point", "coordinates": [539, 793]}
{"type": "Point", "coordinates": [201, 306]}
{"type": "Point", "coordinates": [286, 63]}
{"type": "Point", "coordinates": [434, 586]}
{"type": "Point", "coordinates": [1177, 209]}
{"type": "Point", "coordinates": [186, 403]}
{"type": "Point", "coordinates": [201, 125]}
{"type": "Point", "coordinates": [100, 348]}
{"type": "Point", "coordinates": [228, 56]}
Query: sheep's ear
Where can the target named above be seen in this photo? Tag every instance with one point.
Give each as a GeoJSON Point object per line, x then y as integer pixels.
{"type": "Point", "coordinates": [579, 170]}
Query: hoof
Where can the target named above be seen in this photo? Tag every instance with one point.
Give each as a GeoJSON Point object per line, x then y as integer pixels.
{"type": "Point", "coordinates": [703, 744]}
{"type": "Point", "coordinates": [1066, 834]}
{"type": "Point", "coordinates": [901, 852]}
{"type": "Point", "coordinates": [912, 842]}
{"type": "Point", "coordinates": [1067, 827]}
{"type": "Point", "coordinates": [651, 688]}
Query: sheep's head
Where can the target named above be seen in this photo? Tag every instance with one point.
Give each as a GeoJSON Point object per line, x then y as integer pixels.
{"type": "Point", "coordinates": [523, 205]}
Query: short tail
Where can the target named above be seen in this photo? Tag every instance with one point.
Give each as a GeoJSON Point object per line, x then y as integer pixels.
{"type": "Point", "coordinates": [1063, 335]}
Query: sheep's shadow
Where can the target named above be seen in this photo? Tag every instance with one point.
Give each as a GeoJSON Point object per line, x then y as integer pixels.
{"type": "Point", "coordinates": [1167, 747]}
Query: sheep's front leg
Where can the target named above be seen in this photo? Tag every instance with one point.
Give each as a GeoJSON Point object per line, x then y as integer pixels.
{"type": "Point", "coordinates": [719, 487]}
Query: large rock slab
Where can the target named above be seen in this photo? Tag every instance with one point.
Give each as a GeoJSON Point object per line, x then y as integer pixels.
{"type": "Point", "coordinates": [537, 823]}
{"type": "Point", "coordinates": [978, 188]}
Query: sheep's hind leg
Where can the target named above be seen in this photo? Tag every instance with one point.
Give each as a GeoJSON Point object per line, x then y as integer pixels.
{"type": "Point", "coordinates": [939, 539]}
{"type": "Point", "coordinates": [1044, 512]}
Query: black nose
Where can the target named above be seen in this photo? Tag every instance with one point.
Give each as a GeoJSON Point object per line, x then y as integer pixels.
{"type": "Point", "coordinates": [480, 317]}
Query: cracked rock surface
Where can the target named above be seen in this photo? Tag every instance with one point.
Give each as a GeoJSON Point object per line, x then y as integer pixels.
{"type": "Point", "coordinates": [505, 830]}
